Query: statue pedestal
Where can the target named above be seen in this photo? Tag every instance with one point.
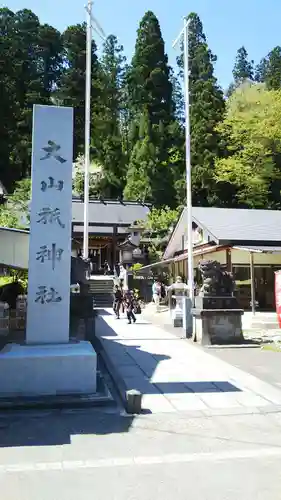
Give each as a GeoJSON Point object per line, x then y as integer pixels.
{"type": "Point", "coordinates": [179, 291]}
{"type": "Point", "coordinates": [187, 317]}
{"type": "Point", "coordinates": [48, 370]}
{"type": "Point", "coordinates": [177, 312]}
{"type": "Point", "coordinates": [217, 320]}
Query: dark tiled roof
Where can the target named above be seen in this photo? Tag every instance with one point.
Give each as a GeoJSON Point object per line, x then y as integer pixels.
{"type": "Point", "coordinates": [110, 212]}
{"type": "Point", "coordinates": [235, 224]}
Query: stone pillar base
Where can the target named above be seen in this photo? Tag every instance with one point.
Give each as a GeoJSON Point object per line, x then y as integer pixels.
{"type": "Point", "coordinates": [187, 316]}
{"type": "Point", "coordinates": [48, 370]}
{"type": "Point", "coordinates": [217, 326]}
{"type": "Point", "coordinates": [177, 317]}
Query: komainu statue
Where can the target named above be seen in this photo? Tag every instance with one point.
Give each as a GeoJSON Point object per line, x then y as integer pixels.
{"type": "Point", "coordinates": [216, 281]}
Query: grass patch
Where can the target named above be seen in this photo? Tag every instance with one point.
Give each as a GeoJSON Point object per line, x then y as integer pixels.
{"type": "Point", "coordinates": [4, 280]}
{"type": "Point", "coordinates": [272, 347]}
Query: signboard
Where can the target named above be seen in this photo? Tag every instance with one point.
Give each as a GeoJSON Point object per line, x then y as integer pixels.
{"type": "Point", "coordinates": [278, 295]}
{"type": "Point", "coordinates": [50, 226]}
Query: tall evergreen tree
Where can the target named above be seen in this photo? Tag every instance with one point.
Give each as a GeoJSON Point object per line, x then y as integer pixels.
{"type": "Point", "coordinates": [243, 68]}
{"type": "Point", "coordinates": [206, 111]}
{"type": "Point", "coordinates": [268, 70]}
{"type": "Point", "coordinates": [107, 130]}
{"type": "Point", "coordinates": [30, 60]}
{"type": "Point", "coordinates": [71, 91]}
{"type": "Point", "coordinates": [152, 114]}
{"type": "Point", "coordinates": [150, 176]}
{"type": "Point", "coordinates": [149, 82]}
{"type": "Point", "coordinates": [50, 59]}
{"type": "Point", "coordinates": [8, 96]}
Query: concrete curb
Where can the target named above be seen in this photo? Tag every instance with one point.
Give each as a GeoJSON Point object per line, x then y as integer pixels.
{"type": "Point", "coordinates": [98, 399]}
{"type": "Point", "coordinates": [130, 397]}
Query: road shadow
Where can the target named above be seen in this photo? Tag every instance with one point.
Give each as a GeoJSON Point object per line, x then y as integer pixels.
{"type": "Point", "coordinates": [58, 428]}
{"type": "Point", "coordinates": [102, 312]}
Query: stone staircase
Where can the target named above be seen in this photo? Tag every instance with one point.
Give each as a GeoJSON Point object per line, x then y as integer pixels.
{"type": "Point", "coordinates": [260, 321]}
{"type": "Point", "coordinates": [102, 289]}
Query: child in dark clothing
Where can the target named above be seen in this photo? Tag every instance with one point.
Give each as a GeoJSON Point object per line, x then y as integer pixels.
{"type": "Point", "coordinates": [118, 298]}
{"type": "Point", "coordinates": [130, 303]}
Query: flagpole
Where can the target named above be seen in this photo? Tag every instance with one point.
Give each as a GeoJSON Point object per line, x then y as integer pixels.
{"type": "Point", "coordinates": [190, 273]}
{"type": "Point", "coordinates": [87, 129]}
{"type": "Point", "coordinates": [92, 24]}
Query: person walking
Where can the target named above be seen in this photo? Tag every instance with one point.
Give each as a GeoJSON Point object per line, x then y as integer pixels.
{"type": "Point", "coordinates": [129, 300]}
{"type": "Point", "coordinates": [156, 293]}
{"type": "Point", "coordinates": [118, 297]}
{"type": "Point", "coordinates": [106, 268]}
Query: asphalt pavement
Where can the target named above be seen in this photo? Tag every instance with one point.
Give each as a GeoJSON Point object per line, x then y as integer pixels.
{"type": "Point", "coordinates": [90, 454]}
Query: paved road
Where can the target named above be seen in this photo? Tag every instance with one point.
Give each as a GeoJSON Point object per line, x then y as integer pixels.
{"type": "Point", "coordinates": [93, 454]}
{"type": "Point", "coordinates": [259, 362]}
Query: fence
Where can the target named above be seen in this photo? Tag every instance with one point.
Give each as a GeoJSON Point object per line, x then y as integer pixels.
{"type": "Point", "coordinates": [13, 319]}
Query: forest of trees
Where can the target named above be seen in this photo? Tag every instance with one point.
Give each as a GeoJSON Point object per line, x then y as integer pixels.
{"type": "Point", "coordinates": [137, 115]}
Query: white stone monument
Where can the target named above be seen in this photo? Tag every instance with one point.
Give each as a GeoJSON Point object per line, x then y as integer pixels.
{"type": "Point", "coordinates": [49, 364]}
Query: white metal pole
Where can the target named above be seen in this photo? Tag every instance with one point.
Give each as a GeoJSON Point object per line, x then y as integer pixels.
{"type": "Point", "coordinates": [87, 128]}
{"type": "Point", "coordinates": [188, 164]}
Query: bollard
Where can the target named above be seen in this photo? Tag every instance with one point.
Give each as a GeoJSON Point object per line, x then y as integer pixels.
{"type": "Point", "coordinates": [133, 401]}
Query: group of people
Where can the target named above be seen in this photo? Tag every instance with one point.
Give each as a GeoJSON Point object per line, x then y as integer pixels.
{"type": "Point", "coordinates": [126, 300]}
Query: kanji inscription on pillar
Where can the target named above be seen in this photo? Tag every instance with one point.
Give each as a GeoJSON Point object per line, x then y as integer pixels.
{"type": "Point", "coordinates": [50, 226]}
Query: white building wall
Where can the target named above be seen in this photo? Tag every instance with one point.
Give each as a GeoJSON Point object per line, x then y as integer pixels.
{"type": "Point", "coordinates": [14, 248]}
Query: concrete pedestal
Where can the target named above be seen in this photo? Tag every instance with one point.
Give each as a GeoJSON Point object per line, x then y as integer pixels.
{"type": "Point", "coordinates": [177, 312]}
{"type": "Point", "coordinates": [48, 370]}
{"type": "Point", "coordinates": [187, 316]}
{"type": "Point", "coordinates": [217, 326]}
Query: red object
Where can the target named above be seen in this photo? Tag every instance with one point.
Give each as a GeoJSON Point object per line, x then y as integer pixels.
{"type": "Point", "coordinates": [278, 295]}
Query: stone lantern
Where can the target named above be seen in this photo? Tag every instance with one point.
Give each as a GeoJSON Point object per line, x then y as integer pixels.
{"type": "Point", "coordinates": [126, 252]}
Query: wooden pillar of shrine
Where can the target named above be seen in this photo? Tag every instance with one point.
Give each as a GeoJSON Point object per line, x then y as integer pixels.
{"type": "Point", "coordinates": [114, 246]}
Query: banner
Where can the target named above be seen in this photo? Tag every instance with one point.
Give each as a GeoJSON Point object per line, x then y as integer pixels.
{"type": "Point", "coordinates": [278, 295]}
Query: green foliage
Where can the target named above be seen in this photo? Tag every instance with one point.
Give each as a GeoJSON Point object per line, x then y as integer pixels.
{"type": "Point", "coordinates": [161, 221]}
{"type": "Point", "coordinates": [137, 119]}
{"type": "Point", "coordinates": [135, 268]}
{"type": "Point", "coordinates": [96, 177]}
{"type": "Point", "coordinates": [8, 218]}
{"type": "Point", "coordinates": [15, 213]}
{"type": "Point", "coordinates": [252, 132]}
{"type": "Point", "coordinates": [159, 225]}
{"type": "Point", "coordinates": [15, 275]}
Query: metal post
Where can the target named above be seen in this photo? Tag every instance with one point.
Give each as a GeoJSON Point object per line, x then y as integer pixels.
{"type": "Point", "coordinates": [87, 128]}
{"type": "Point", "coordinates": [252, 274]}
{"type": "Point", "coordinates": [188, 164]}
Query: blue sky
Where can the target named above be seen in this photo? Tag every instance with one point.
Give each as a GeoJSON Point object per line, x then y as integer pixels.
{"type": "Point", "coordinates": [227, 24]}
